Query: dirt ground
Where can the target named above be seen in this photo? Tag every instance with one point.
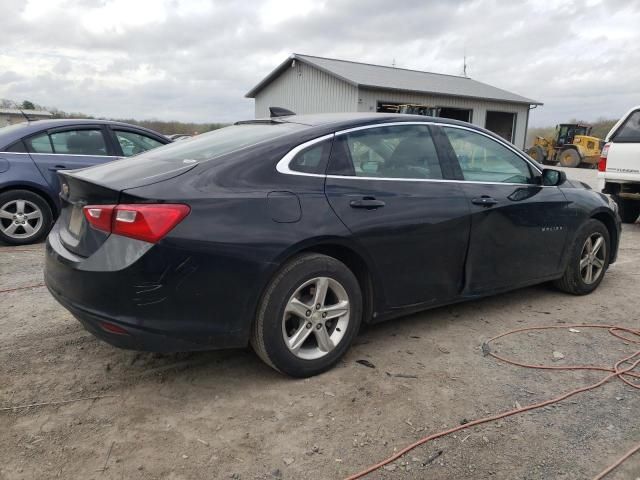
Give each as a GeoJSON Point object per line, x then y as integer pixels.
{"type": "Point", "coordinates": [226, 415]}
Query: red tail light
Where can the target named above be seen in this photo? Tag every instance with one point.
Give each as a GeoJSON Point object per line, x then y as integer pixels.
{"type": "Point", "coordinates": [113, 328]}
{"type": "Point", "coordinates": [602, 164]}
{"type": "Point", "coordinates": [99, 216]}
{"type": "Point", "coordinates": [147, 222]}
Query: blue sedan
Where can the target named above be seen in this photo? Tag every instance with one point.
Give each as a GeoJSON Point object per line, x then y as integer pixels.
{"type": "Point", "coordinates": [32, 152]}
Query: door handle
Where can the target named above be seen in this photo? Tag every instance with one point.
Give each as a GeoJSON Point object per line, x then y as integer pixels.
{"type": "Point", "coordinates": [57, 167]}
{"type": "Point", "coordinates": [369, 203]}
{"type": "Point", "coordinates": [485, 201]}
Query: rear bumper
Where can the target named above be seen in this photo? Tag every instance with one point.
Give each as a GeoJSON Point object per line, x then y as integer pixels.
{"type": "Point", "coordinates": [135, 338]}
{"type": "Point", "coordinates": [165, 299]}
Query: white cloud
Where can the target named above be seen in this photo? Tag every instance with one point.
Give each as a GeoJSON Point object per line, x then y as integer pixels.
{"type": "Point", "coordinates": [194, 60]}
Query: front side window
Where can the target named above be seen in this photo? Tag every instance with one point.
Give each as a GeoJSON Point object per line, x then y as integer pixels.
{"type": "Point", "coordinates": [483, 159]}
{"type": "Point", "coordinates": [398, 151]}
{"type": "Point", "coordinates": [135, 143]}
{"type": "Point", "coordinates": [630, 129]}
{"type": "Point", "coordinates": [39, 144]}
{"type": "Point", "coordinates": [79, 142]}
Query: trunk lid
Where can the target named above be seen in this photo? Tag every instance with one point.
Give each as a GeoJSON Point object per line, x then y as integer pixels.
{"type": "Point", "coordinates": [75, 232]}
{"type": "Point", "coordinates": [623, 161]}
{"type": "Point", "coordinates": [102, 185]}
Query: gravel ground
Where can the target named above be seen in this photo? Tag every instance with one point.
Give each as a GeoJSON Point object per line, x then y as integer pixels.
{"type": "Point", "coordinates": [226, 415]}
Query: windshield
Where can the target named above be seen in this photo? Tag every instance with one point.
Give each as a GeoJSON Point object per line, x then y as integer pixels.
{"type": "Point", "coordinates": [218, 142]}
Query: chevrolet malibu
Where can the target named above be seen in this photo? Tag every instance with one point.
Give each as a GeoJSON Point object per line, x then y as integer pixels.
{"type": "Point", "coordinates": [289, 233]}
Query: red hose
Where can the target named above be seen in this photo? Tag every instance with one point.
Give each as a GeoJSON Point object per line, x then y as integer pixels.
{"type": "Point", "coordinates": [37, 285]}
{"type": "Point", "coordinates": [617, 371]}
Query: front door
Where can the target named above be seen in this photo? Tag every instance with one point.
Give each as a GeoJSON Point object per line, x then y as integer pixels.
{"type": "Point", "coordinates": [385, 184]}
{"type": "Point", "coordinates": [518, 227]}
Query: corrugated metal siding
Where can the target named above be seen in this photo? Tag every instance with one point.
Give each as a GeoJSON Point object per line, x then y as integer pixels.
{"type": "Point", "coordinates": [386, 77]}
{"type": "Point", "coordinates": [305, 89]}
{"type": "Point", "coordinates": [368, 100]}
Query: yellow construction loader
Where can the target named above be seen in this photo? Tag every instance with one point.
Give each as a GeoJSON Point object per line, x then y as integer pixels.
{"type": "Point", "coordinates": [572, 147]}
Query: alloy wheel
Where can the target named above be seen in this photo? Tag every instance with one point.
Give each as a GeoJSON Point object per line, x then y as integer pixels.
{"type": "Point", "coordinates": [315, 318]}
{"type": "Point", "coordinates": [20, 219]}
{"type": "Point", "coordinates": [593, 258]}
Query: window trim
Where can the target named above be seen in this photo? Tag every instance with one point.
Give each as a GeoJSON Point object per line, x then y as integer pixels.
{"type": "Point", "coordinates": [283, 164]}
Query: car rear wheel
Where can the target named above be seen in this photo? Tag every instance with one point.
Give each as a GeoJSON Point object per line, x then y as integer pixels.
{"type": "Point", "coordinates": [588, 261]}
{"type": "Point", "coordinates": [308, 316]}
{"type": "Point", "coordinates": [628, 209]}
{"type": "Point", "coordinates": [25, 217]}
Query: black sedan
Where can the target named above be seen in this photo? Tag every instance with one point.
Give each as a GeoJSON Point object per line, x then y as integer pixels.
{"type": "Point", "coordinates": [290, 232]}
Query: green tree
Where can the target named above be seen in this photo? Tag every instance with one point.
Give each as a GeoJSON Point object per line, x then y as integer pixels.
{"type": "Point", "coordinates": [27, 105]}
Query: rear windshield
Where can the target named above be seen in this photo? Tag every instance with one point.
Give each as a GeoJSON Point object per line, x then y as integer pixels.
{"type": "Point", "coordinates": [218, 142]}
{"type": "Point", "coordinates": [629, 131]}
{"type": "Point", "coordinates": [169, 160]}
{"type": "Point", "coordinates": [8, 133]}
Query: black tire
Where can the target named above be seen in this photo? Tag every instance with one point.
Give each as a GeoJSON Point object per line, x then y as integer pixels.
{"type": "Point", "coordinates": [569, 157]}
{"type": "Point", "coordinates": [33, 202]}
{"type": "Point", "coordinates": [537, 153]}
{"type": "Point", "coordinates": [267, 336]}
{"type": "Point", "coordinates": [628, 209]}
{"type": "Point", "coordinates": [572, 280]}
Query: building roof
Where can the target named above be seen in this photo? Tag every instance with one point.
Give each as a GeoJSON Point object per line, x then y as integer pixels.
{"type": "Point", "coordinates": [15, 111]}
{"type": "Point", "coordinates": [401, 79]}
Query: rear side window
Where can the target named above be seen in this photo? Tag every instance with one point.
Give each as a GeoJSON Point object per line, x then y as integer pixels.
{"type": "Point", "coordinates": [79, 142]}
{"type": "Point", "coordinates": [629, 131]}
{"type": "Point", "coordinates": [134, 143]}
{"type": "Point", "coordinates": [312, 159]}
{"type": "Point", "coordinates": [39, 144]}
{"type": "Point", "coordinates": [17, 147]}
{"type": "Point", "coordinates": [398, 151]}
{"type": "Point", "coordinates": [483, 159]}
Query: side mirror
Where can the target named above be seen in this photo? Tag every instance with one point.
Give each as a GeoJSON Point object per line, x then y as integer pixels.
{"type": "Point", "coordinates": [553, 178]}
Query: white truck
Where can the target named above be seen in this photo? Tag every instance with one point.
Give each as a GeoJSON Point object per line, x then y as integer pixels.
{"type": "Point", "coordinates": [619, 166]}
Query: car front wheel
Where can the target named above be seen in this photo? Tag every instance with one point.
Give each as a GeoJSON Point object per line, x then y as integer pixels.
{"type": "Point", "coordinates": [308, 316]}
{"type": "Point", "coordinates": [25, 217]}
{"type": "Point", "coordinates": [588, 259]}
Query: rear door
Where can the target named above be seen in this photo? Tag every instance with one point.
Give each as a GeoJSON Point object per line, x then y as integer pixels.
{"type": "Point", "coordinates": [518, 227]}
{"type": "Point", "coordinates": [387, 186]}
{"type": "Point", "coordinates": [69, 148]}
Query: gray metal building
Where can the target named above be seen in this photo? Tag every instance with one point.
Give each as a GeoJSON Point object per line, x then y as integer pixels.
{"type": "Point", "coordinates": [307, 84]}
{"type": "Point", "coordinates": [9, 116]}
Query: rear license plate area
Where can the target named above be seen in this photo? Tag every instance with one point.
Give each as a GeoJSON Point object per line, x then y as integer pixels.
{"type": "Point", "coordinates": [75, 221]}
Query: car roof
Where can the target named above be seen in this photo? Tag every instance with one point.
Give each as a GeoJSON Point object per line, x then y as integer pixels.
{"type": "Point", "coordinates": [15, 132]}
{"type": "Point", "coordinates": [355, 119]}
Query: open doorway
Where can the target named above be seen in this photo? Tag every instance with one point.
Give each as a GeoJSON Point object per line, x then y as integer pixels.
{"type": "Point", "coordinates": [463, 114]}
{"type": "Point", "coordinates": [502, 123]}
{"type": "Point", "coordinates": [388, 107]}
